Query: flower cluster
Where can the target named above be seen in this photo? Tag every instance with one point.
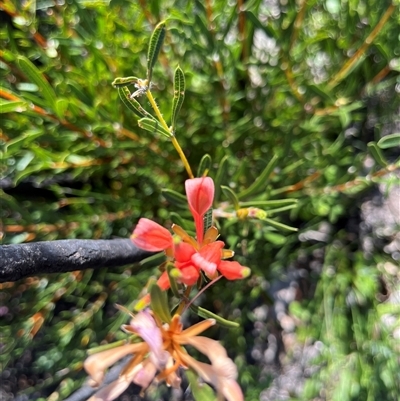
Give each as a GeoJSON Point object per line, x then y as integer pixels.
{"type": "Point", "coordinates": [160, 354]}
{"type": "Point", "coordinates": [191, 256]}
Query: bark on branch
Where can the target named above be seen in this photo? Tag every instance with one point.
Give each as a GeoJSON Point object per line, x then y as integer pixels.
{"type": "Point", "coordinates": [24, 260]}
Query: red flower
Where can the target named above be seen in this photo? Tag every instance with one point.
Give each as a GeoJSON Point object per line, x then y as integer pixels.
{"type": "Point", "coordinates": [189, 255]}
{"type": "Point", "coordinates": [200, 195]}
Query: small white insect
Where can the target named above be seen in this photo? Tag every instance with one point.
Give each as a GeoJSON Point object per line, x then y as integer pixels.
{"type": "Point", "coordinates": [142, 86]}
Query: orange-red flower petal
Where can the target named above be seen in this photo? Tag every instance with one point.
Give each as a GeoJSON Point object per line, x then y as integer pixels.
{"type": "Point", "coordinates": [200, 195]}
{"type": "Point", "coordinates": [150, 236]}
{"type": "Point", "coordinates": [233, 270]}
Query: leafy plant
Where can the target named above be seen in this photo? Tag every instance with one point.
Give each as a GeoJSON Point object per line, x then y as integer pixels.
{"type": "Point", "coordinates": [292, 103]}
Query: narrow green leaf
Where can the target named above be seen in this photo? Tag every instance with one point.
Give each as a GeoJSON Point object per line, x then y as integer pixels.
{"type": "Point", "coordinates": [377, 154]}
{"type": "Point", "coordinates": [9, 107]}
{"type": "Point", "coordinates": [274, 238]}
{"type": "Point", "coordinates": [389, 141]}
{"type": "Point", "coordinates": [281, 209]}
{"type": "Point", "coordinates": [17, 143]}
{"type": "Point", "coordinates": [260, 183]}
{"type": "Point", "coordinates": [61, 107]}
{"type": "Point", "coordinates": [154, 127]}
{"type": "Point", "coordinates": [94, 3]}
{"type": "Point", "coordinates": [33, 73]}
{"type": "Point", "coordinates": [279, 226]}
{"type": "Point", "coordinates": [156, 41]}
{"type": "Point", "coordinates": [24, 162]}
{"type": "Point", "coordinates": [133, 104]}
{"type": "Point", "coordinates": [124, 81]}
{"type": "Point", "coordinates": [152, 261]}
{"type": "Point", "coordinates": [266, 27]}
{"type": "Point", "coordinates": [322, 92]}
{"type": "Point", "coordinates": [269, 203]}
{"type": "Point", "coordinates": [185, 224]}
{"type": "Point", "coordinates": [105, 347]}
{"type": "Point", "coordinates": [28, 171]}
{"type": "Point", "coordinates": [204, 166]}
{"type": "Point", "coordinates": [231, 196]}
{"type": "Point", "coordinates": [159, 303]}
{"type": "Point", "coordinates": [179, 95]}
{"type": "Point", "coordinates": [220, 177]}
{"type": "Point", "coordinates": [206, 314]}
{"type": "Point", "coordinates": [200, 29]}
{"type": "Point", "coordinates": [174, 197]}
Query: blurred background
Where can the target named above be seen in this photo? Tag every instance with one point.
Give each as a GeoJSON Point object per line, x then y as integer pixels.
{"type": "Point", "coordinates": [311, 85]}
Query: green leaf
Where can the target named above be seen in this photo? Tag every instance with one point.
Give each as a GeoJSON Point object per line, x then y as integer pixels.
{"type": "Point", "coordinates": [152, 261]}
{"type": "Point", "coordinates": [389, 141]}
{"type": "Point", "coordinates": [25, 161]}
{"type": "Point", "coordinates": [106, 347]}
{"type": "Point", "coordinates": [15, 106]}
{"type": "Point", "coordinates": [281, 209]}
{"type": "Point", "coordinates": [231, 196]}
{"type": "Point", "coordinates": [266, 27]}
{"type": "Point", "coordinates": [159, 303]}
{"type": "Point", "coordinates": [260, 183]}
{"type": "Point", "coordinates": [61, 107]}
{"type": "Point", "coordinates": [32, 72]}
{"type": "Point", "coordinates": [94, 3]}
{"type": "Point", "coordinates": [269, 203]}
{"type": "Point", "coordinates": [174, 197]}
{"type": "Point", "coordinates": [274, 238]}
{"type": "Point", "coordinates": [200, 391]}
{"type": "Point", "coordinates": [177, 219]}
{"type": "Point", "coordinates": [322, 92]}
{"type": "Point", "coordinates": [154, 127]}
{"type": "Point", "coordinates": [131, 103]}
{"type": "Point", "coordinates": [279, 226]}
{"type": "Point", "coordinates": [179, 95]}
{"type": "Point", "coordinates": [206, 314]}
{"type": "Point", "coordinates": [377, 154]}
{"type": "Point", "coordinates": [17, 143]}
{"type": "Point", "coordinates": [220, 177]}
{"type": "Point", "coordinates": [124, 81]}
{"type": "Point", "coordinates": [204, 166]}
{"type": "Point", "coordinates": [156, 41]}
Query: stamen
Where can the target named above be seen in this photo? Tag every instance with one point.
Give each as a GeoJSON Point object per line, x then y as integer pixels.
{"type": "Point", "coordinates": [138, 358]}
{"type": "Point", "coordinates": [166, 372]}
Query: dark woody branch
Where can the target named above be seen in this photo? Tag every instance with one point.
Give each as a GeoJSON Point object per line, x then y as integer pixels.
{"type": "Point", "coordinates": [24, 260]}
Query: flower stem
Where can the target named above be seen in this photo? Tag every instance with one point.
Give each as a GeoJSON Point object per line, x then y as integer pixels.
{"type": "Point", "coordinates": [184, 301]}
{"type": "Point", "coordinates": [200, 292]}
{"type": "Point", "coordinates": [173, 138]}
{"type": "Point", "coordinates": [156, 109]}
{"type": "Point", "coordinates": [182, 156]}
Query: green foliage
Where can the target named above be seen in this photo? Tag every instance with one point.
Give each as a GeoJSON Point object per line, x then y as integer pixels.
{"type": "Point", "coordinates": [179, 94]}
{"type": "Point", "coordinates": [359, 349]}
{"type": "Point", "coordinates": [291, 103]}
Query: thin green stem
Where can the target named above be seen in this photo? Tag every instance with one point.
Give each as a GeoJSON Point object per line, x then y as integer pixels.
{"type": "Point", "coordinates": [173, 138]}
{"type": "Point", "coordinates": [184, 301]}
{"type": "Point", "coordinates": [156, 109]}
{"type": "Point", "coordinates": [182, 156]}
{"type": "Point", "coordinates": [201, 291]}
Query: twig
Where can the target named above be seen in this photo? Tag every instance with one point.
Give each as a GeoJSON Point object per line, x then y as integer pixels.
{"type": "Point", "coordinates": [24, 260]}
